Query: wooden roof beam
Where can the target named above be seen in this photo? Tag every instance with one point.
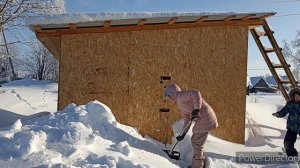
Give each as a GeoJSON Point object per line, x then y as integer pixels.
{"type": "Point", "coordinates": [228, 18]}
{"type": "Point", "coordinates": [72, 26]}
{"type": "Point", "coordinates": [107, 23]}
{"type": "Point", "coordinates": [37, 28]}
{"type": "Point", "coordinates": [201, 19]}
{"type": "Point", "coordinates": [235, 22]}
{"type": "Point", "coordinates": [172, 20]}
{"type": "Point", "coordinates": [141, 22]}
{"type": "Point", "coordinates": [267, 15]}
{"type": "Point", "coordinates": [247, 17]}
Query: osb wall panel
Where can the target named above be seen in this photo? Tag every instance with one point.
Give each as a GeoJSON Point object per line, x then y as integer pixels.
{"type": "Point", "coordinates": [92, 69]}
{"type": "Point", "coordinates": [122, 70]}
{"type": "Point", "coordinates": [52, 44]}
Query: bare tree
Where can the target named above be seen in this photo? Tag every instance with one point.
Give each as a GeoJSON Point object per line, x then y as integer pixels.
{"type": "Point", "coordinates": [39, 63]}
{"type": "Point", "coordinates": [291, 52]}
{"type": "Point", "coordinates": [13, 12]}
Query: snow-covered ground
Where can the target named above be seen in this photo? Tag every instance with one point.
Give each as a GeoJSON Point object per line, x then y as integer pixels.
{"type": "Point", "coordinates": [89, 136]}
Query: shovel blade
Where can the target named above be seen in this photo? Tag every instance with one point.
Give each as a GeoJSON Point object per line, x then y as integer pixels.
{"type": "Point", "coordinates": [173, 155]}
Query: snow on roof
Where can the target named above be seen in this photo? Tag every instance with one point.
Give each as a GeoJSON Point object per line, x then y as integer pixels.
{"type": "Point", "coordinates": [255, 79]}
{"type": "Point", "coordinates": [270, 80]}
{"type": "Point", "coordinates": [132, 18]}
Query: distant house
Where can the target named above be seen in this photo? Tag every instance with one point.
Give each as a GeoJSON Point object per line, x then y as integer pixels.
{"type": "Point", "coordinates": [259, 84]}
{"type": "Point", "coordinates": [272, 83]}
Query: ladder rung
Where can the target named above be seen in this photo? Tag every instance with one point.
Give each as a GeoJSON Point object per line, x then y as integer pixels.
{"type": "Point", "coordinates": [285, 81]}
{"type": "Point", "coordinates": [260, 33]}
{"type": "Point", "coordinates": [268, 50]}
{"type": "Point", "coordinates": [277, 66]}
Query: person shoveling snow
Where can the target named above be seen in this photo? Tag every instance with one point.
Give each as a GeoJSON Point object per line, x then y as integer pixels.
{"type": "Point", "coordinates": [193, 107]}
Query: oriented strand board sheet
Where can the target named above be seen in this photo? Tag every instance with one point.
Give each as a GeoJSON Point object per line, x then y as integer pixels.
{"type": "Point", "coordinates": [92, 69]}
{"type": "Point", "coordinates": [53, 44]}
{"type": "Point", "coordinates": [123, 69]}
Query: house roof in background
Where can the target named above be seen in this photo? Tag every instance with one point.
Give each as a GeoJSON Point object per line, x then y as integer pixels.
{"type": "Point", "coordinates": [255, 79]}
{"type": "Point", "coordinates": [270, 80]}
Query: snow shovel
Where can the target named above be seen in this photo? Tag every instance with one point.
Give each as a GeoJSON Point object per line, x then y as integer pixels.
{"type": "Point", "coordinates": [175, 154]}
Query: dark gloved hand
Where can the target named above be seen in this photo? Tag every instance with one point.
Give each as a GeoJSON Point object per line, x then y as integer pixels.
{"type": "Point", "coordinates": [195, 113]}
{"type": "Point", "coordinates": [180, 137]}
{"type": "Point", "coordinates": [275, 114]}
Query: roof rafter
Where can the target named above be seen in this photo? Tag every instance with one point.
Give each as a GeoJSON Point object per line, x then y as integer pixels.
{"type": "Point", "coordinates": [172, 20]}
{"type": "Point", "coordinates": [201, 19]}
{"type": "Point", "coordinates": [228, 18]}
{"type": "Point", "coordinates": [141, 22]}
{"type": "Point", "coordinates": [99, 29]}
{"type": "Point", "coordinates": [107, 23]}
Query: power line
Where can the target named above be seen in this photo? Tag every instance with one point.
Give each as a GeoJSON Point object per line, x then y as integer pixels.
{"type": "Point", "coordinates": [291, 14]}
{"type": "Point", "coordinates": [242, 4]}
{"type": "Point", "coordinates": [265, 3]}
{"type": "Point", "coordinates": [285, 1]}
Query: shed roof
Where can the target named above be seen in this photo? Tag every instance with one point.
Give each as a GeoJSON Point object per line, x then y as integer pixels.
{"type": "Point", "coordinates": [138, 21]}
{"type": "Point", "coordinates": [49, 29]}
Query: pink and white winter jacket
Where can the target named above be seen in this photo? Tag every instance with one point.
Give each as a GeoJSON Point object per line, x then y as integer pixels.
{"type": "Point", "coordinates": [189, 100]}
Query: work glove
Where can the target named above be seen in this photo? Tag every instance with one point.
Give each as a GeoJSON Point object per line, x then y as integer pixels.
{"type": "Point", "coordinates": [275, 114]}
{"type": "Point", "coordinates": [195, 113]}
{"type": "Point", "coordinates": [180, 137]}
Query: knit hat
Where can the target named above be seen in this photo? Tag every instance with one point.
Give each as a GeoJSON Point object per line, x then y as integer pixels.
{"type": "Point", "coordinates": [294, 91]}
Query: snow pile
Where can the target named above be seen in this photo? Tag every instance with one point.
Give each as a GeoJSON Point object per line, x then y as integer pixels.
{"type": "Point", "coordinates": [89, 136]}
{"type": "Point", "coordinates": [81, 136]}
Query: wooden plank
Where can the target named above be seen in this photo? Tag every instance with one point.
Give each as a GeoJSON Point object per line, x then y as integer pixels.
{"type": "Point", "coordinates": [228, 18]}
{"type": "Point", "coordinates": [277, 66]}
{"type": "Point", "coordinates": [268, 49]}
{"type": "Point", "coordinates": [107, 24]}
{"type": "Point", "coordinates": [37, 28]}
{"type": "Point", "coordinates": [173, 20]}
{"type": "Point", "coordinates": [253, 26]}
{"type": "Point", "coordinates": [141, 22]}
{"type": "Point", "coordinates": [247, 17]}
{"type": "Point", "coordinates": [72, 26]}
{"type": "Point", "coordinates": [58, 32]}
{"type": "Point", "coordinates": [53, 44]}
{"type": "Point", "coordinates": [285, 82]}
{"type": "Point", "coordinates": [260, 33]}
{"type": "Point", "coordinates": [267, 15]}
{"type": "Point", "coordinates": [201, 19]}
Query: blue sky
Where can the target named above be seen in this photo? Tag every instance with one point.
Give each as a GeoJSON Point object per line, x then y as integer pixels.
{"type": "Point", "coordinates": [285, 24]}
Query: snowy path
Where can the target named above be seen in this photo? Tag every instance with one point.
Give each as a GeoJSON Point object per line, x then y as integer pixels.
{"type": "Point", "coordinates": [25, 98]}
{"type": "Point", "coordinates": [13, 91]}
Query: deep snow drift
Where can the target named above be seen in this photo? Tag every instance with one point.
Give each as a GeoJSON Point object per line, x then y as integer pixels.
{"type": "Point", "coordinates": [89, 136]}
{"type": "Point", "coordinates": [81, 136]}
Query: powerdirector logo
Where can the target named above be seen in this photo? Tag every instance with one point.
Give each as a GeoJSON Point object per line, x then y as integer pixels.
{"type": "Point", "coordinates": [264, 158]}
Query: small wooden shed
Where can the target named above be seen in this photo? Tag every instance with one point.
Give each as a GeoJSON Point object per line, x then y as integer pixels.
{"type": "Point", "coordinates": [119, 59]}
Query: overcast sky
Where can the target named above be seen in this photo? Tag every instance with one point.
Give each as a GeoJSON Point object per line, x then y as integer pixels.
{"type": "Point", "coordinates": [285, 23]}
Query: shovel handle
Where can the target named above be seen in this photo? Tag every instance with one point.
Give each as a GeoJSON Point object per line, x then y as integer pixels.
{"type": "Point", "coordinates": [185, 130]}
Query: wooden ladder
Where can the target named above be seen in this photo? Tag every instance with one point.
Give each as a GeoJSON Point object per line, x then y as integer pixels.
{"type": "Point", "coordinates": [275, 48]}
